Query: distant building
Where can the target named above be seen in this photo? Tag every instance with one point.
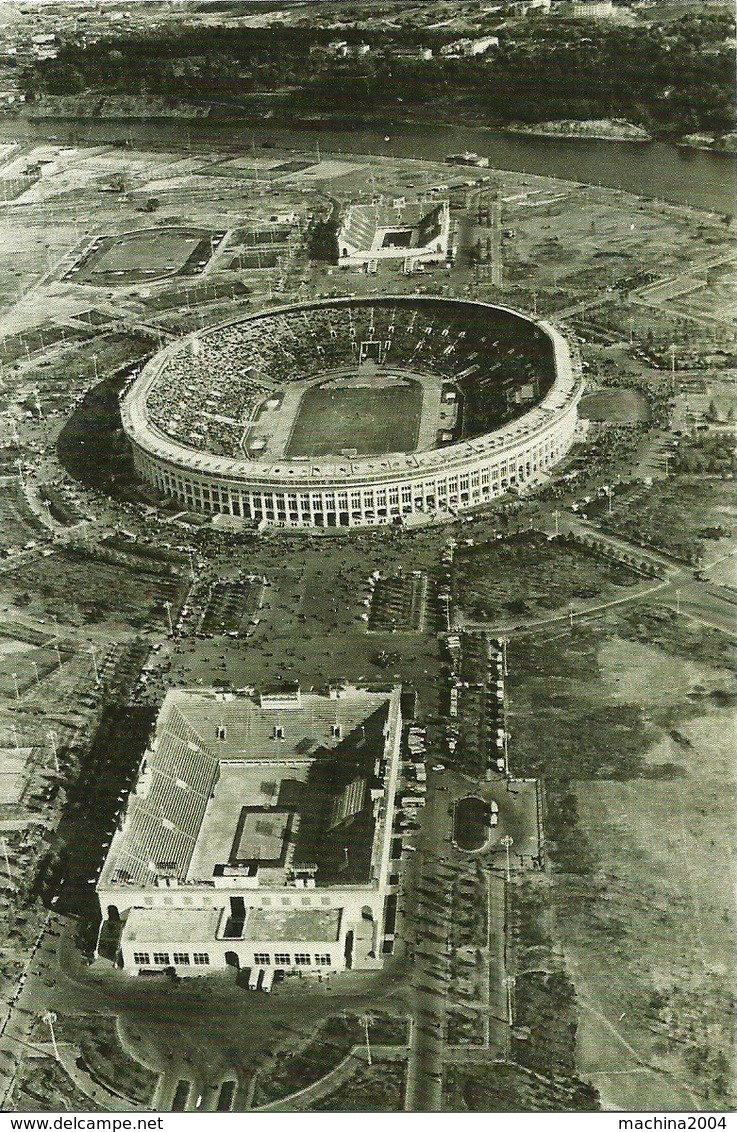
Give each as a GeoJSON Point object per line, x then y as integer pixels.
{"type": "Point", "coordinates": [417, 232]}
{"type": "Point", "coordinates": [463, 48]}
{"type": "Point", "coordinates": [259, 833]}
{"type": "Point", "coordinates": [342, 49]}
{"type": "Point", "coordinates": [522, 7]}
{"type": "Point", "coordinates": [588, 9]}
{"type": "Point", "coordinates": [397, 51]}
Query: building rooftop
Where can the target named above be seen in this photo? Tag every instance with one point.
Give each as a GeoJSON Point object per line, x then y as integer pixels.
{"type": "Point", "coordinates": [296, 925]}
{"type": "Point", "coordinates": [147, 927]}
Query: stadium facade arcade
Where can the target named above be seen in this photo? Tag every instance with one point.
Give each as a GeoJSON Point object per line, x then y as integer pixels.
{"type": "Point", "coordinates": [259, 834]}
{"type": "Point", "coordinates": [350, 490]}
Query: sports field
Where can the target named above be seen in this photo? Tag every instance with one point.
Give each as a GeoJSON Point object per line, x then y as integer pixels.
{"type": "Point", "coordinates": [373, 421]}
{"type": "Point", "coordinates": [147, 255]}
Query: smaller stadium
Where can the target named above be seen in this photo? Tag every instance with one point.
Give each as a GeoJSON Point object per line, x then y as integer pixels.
{"type": "Point", "coordinates": [417, 232]}
{"type": "Point", "coordinates": [149, 255]}
{"type": "Point", "coordinates": [258, 833]}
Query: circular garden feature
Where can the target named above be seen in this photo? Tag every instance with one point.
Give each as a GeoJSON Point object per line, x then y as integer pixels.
{"type": "Point", "coordinates": [471, 823]}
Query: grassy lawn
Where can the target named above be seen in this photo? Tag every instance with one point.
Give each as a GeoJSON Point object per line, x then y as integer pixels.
{"type": "Point", "coordinates": [674, 515]}
{"type": "Point", "coordinates": [230, 606]}
{"type": "Point", "coordinates": [108, 1062]}
{"type": "Point", "coordinates": [102, 1055]}
{"type": "Point", "coordinates": [629, 725]}
{"type": "Point", "coordinates": [81, 589]}
{"type": "Point", "coordinates": [527, 574]}
{"type": "Point", "coordinates": [45, 1087]}
{"type": "Point", "coordinates": [143, 255]}
{"type": "Point", "coordinates": [373, 421]}
{"type": "Point", "coordinates": [471, 823]}
{"type": "Point", "coordinates": [379, 1088]}
{"type": "Point", "coordinates": [464, 1028]}
{"type": "Point", "coordinates": [332, 1041]}
{"type": "Point", "coordinates": [510, 1088]}
{"type": "Point", "coordinates": [676, 637]}
{"type": "Point", "coordinates": [398, 603]}
{"type": "Point", "coordinates": [18, 524]}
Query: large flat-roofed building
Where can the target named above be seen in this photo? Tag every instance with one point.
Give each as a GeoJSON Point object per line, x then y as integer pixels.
{"type": "Point", "coordinates": [258, 832]}
{"type": "Point", "coordinates": [416, 231]}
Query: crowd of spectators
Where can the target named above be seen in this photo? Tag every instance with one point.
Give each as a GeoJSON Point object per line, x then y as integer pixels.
{"type": "Point", "coordinates": [209, 390]}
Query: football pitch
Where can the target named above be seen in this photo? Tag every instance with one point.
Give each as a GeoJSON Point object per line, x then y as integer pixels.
{"type": "Point", "coordinates": [146, 255]}
{"type": "Point", "coordinates": [371, 421]}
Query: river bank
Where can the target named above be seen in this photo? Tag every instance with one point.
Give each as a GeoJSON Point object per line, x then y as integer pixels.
{"type": "Point", "coordinates": [598, 129]}
{"type": "Point", "coordinates": [656, 169]}
{"type": "Point", "coordinates": [710, 143]}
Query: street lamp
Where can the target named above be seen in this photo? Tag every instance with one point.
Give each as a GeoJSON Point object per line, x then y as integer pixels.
{"type": "Point", "coordinates": [510, 981]}
{"type": "Point", "coordinates": [366, 1020]}
{"type": "Point", "coordinates": [52, 740]}
{"type": "Point", "coordinates": [50, 1018]}
{"type": "Point", "coordinates": [507, 842]}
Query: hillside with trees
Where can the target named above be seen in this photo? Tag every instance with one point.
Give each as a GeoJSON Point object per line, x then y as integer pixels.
{"type": "Point", "coordinates": [672, 79]}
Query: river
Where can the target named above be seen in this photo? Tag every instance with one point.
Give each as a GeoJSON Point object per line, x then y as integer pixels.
{"type": "Point", "coordinates": [652, 169]}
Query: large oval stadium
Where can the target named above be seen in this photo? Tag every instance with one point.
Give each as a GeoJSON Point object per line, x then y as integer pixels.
{"type": "Point", "coordinates": [354, 412]}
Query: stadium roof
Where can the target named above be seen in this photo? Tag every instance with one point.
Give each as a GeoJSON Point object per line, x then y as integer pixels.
{"type": "Point", "coordinates": [147, 927]}
{"type": "Point", "coordinates": [308, 925]}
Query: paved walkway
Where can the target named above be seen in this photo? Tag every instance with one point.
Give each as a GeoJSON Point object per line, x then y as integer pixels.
{"type": "Point", "coordinates": [342, 1072]}
{"type": "Point", "coordinates": [99, 1094]}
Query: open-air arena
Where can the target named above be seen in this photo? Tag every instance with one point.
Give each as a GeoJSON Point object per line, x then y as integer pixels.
{"type": "Point", "coordinates": [365, 680]}
{"type": "Point", "coordinates": [354, 413]}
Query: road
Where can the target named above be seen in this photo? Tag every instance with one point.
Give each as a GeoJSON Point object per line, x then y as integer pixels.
{"type": "Point", "coordinates": [203, 1031]}
{"type": "Point", "coordinates": [430, 978]}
